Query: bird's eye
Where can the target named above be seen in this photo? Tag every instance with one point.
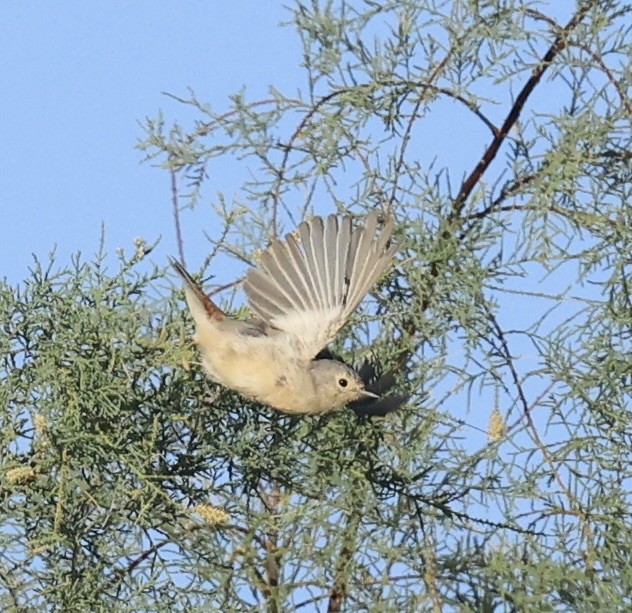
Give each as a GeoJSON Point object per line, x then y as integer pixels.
{"type": "Point", "coordinates": [343, 382]}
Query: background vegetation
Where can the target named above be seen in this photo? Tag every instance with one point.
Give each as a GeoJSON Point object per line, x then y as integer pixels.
{"type": "Point", "coordinates": [131, 482]}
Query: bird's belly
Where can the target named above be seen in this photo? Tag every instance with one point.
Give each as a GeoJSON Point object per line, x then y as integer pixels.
{"type": "Point", "coordinates": [261, 371]}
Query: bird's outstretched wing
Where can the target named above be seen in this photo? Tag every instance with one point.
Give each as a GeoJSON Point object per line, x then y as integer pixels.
{"type": "Point", "coordinates": [308, 284]}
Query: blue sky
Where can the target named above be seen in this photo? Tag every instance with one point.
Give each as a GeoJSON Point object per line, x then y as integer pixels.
{"type": "Point", "coordinates": [77, 81]}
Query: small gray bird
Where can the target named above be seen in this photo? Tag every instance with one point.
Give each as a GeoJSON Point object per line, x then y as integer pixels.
{"type": "Point", "coordinates": [302, 294]}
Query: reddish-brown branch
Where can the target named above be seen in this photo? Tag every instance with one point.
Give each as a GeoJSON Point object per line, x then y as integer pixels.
{"type": "Point", "coordinates": [475, 176]}
{"type": "Point", "coordinates": [625, 101]}
{"type": "Point", "coordinates": [339, 590]}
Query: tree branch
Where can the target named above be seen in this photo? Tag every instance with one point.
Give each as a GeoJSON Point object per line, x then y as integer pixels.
{"type": "Point", "coordinates": [475, 176]}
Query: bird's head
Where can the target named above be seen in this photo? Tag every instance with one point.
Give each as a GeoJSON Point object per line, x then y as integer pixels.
{"type": "Point", "coordinates": [336, 384]}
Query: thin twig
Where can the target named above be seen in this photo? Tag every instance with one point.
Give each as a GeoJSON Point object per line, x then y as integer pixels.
{"type": "Point", "coordinates": [176, 215]}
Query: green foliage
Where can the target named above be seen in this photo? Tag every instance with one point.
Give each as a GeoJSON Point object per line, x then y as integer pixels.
{"type": "Point", "coordinates": [131, 482]}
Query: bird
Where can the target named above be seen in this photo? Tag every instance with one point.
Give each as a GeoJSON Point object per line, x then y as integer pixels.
{"type": "Point", "coordinates": [301, 294]}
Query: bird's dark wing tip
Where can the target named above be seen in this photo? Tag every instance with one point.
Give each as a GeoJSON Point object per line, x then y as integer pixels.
{"type": "Point", "coordinates": [379, 407]}
{"type": "Point", "coordinates": [380, 385]}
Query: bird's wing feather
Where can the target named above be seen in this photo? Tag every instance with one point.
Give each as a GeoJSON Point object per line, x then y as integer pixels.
{"type": "Point", "coordinates": [311, 282]}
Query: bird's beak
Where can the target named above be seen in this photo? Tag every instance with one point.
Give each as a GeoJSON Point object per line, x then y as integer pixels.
{"type": "Point", "coordinates": [369, 394]}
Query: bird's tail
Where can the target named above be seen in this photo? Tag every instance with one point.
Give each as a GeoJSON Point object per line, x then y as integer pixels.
{"type": "Point", "coordinates": [196, 298]}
